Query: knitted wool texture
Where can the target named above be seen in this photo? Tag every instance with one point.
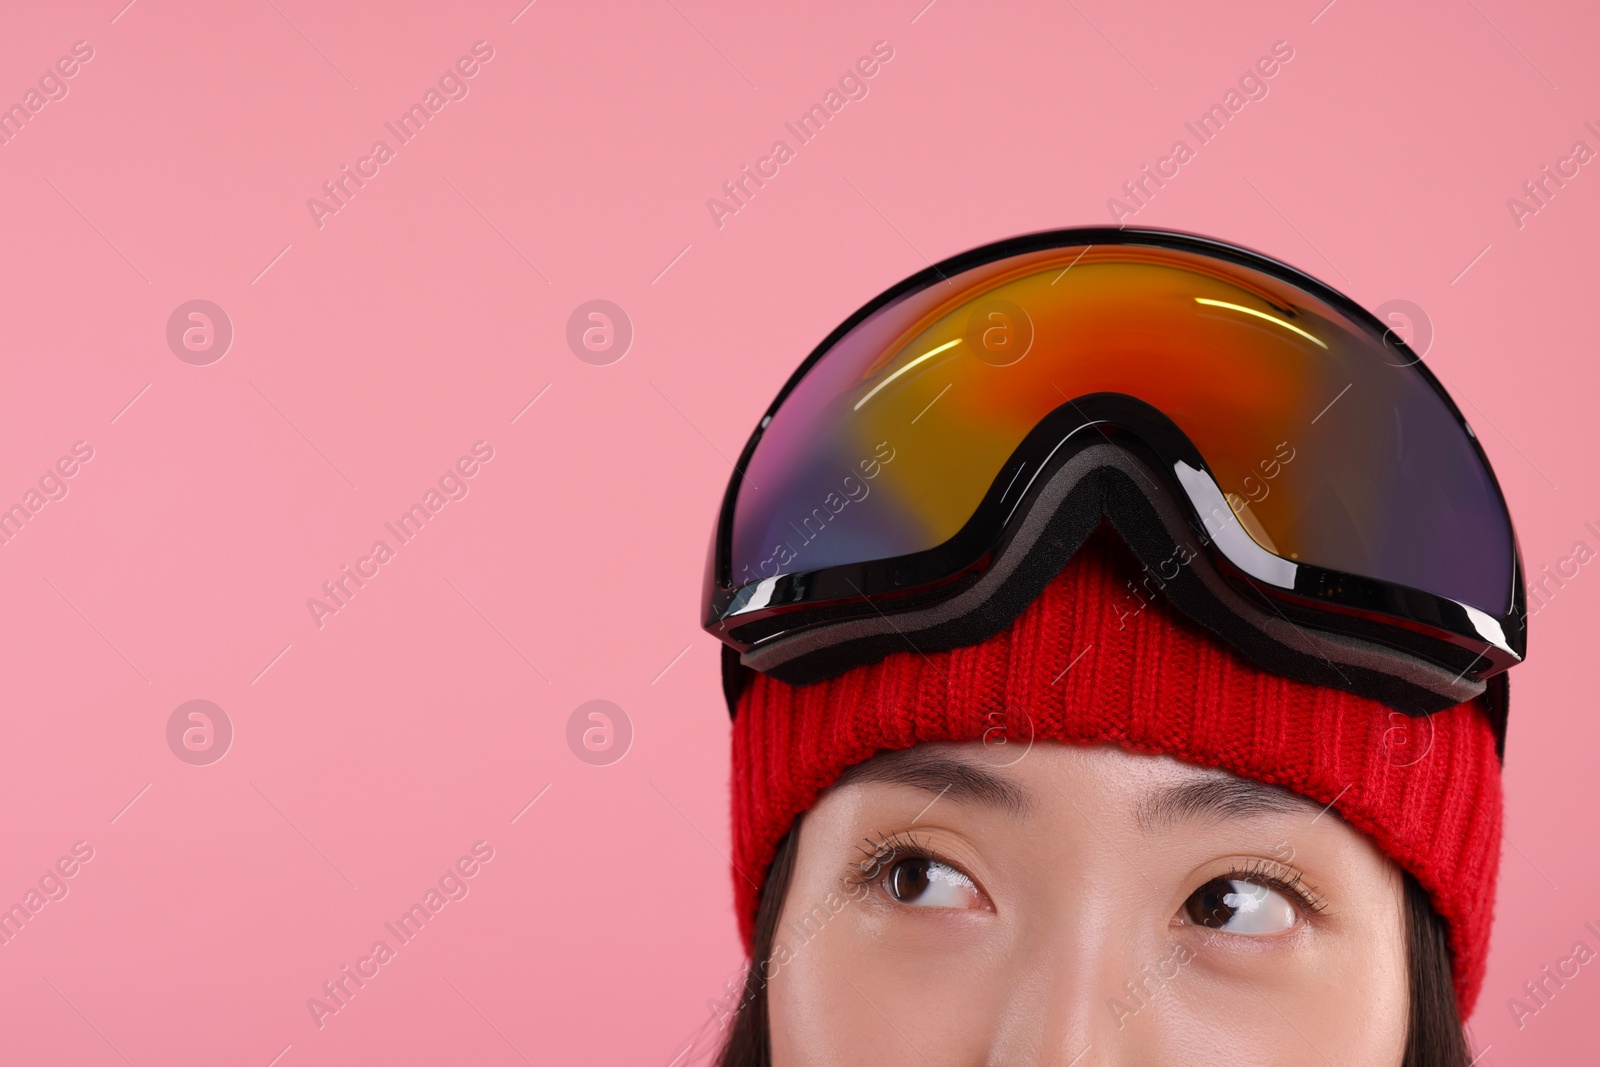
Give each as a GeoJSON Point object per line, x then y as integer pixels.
{"type": "Point", "coordinates": [1427, 791]}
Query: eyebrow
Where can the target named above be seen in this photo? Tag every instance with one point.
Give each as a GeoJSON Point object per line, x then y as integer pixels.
{"type": "Point", "coordinates": [1216, 798]}
{"type": "Point", "coordinates": [944, 776]}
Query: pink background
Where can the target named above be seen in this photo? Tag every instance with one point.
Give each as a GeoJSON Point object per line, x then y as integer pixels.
{"type": "Point", "coordinates": [427, 313]}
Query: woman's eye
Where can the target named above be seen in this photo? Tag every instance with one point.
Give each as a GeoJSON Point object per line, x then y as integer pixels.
{"type": "Point", "coordinates": [927, 883]}
{"type": "Point", "coordinates": [1239, 907]}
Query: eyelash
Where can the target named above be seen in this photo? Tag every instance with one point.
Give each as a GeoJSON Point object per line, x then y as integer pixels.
{"type": "Point", "coordinates": [898, 845]}
{"type": "Point", "coordinates": [1286, 880]}
{"type": "Point", "coordinates": [889, 847]}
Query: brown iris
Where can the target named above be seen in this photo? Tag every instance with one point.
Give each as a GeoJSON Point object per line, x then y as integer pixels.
{"type": "Point", "coordinates": [1209, 905]}
{"type": "Point", "coordinates": [908, 878]}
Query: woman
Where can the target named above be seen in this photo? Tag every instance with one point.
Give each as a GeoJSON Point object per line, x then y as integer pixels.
{"type": "Point", "coordinates": [1116, 630]}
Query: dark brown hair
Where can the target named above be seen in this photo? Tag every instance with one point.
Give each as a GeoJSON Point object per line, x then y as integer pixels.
{"type": "Point", "coordinates": [1434, 1035]}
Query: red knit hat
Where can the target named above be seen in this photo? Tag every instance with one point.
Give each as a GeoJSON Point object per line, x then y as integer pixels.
{"type": "Point", "coordinates": [1427, 791]}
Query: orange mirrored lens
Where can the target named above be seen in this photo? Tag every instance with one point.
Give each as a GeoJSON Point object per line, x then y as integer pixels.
{"type": "Point", "coordinates": [1331, 446]}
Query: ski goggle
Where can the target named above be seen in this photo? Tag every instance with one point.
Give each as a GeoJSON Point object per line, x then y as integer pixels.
{"type": "Point", "coordinates": [1285, 463]}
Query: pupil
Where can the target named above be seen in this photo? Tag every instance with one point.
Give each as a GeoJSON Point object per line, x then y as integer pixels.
{"type": "Point", "coordinates": [1206, 906]}
{"type": "Point", "coordinates": [908, 879]}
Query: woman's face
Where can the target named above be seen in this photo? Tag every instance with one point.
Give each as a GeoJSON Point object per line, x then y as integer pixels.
{"type": "Point", "coordinates": [1085, 906]}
